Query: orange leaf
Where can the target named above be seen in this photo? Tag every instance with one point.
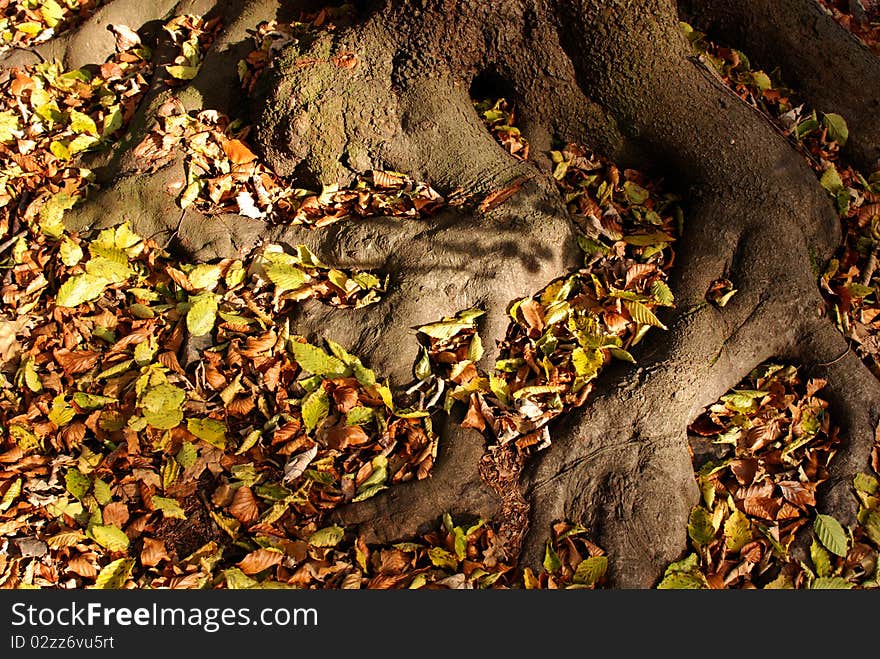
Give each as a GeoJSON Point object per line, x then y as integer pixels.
{"type": "Point", "coordinates": [153, 552]}
{"type": "Point", "coordinates": [238, 153]}
{"type": "Point", "coordinates": [260, 560]}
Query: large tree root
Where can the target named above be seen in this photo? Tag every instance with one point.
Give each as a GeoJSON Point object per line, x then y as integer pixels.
{"type": "Point", "coordinates": [392, 92]}
{"type": "Point", "coordinates": [828, 66]}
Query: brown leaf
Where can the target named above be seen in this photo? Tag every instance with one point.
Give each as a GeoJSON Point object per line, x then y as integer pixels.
{"type": "Point", "coordinates": [762, 507]}
{"type": "Point", "coordinates": [345, 398]}
{"type": "Point", "coordinates": [115, 513]}
{"type": "Point", "coordinates": [241, 406]}
{"type": "Point", "coordinates": [153, 552]}
{"type": "Point", "coordinates": [341, 437]}
{"type": "Point", "coordinates": [814, 385]}
{"type": "Point", "coordinates": [474, 418]}
{"type": "Point", "coordinates": [392, 561]}
{"type": "Point", "coordinates": [287, 431]}
{"type": "Point", "coordinates": [616, 322]}
{"type": "Point", "coordinates": [256, 346]}
{"type": "Point", "coordinates": [77, 361]}
{"type": "Point", "coordinates": [798, 493]}
{"type": "Point", "coordinates": [761, 435]}
{"type": "Point", "coordinates": [638, 271]}
{"type": "Point", "coordinates": [244, 506]}
{"type": "Point", "coordinates": [533, 313]}
{"type": "Point", "coordinates": [744, 470]}
{"type": "Point", "coordinates": [345, 60]}
{"type": "Point", "coordinates": [259, 560]}
{"type": "Point", "coordinates": [498, 197]}
{"type": "Point", "coordinates": [73, 434]}
{"type": "Point", "coordinates": [385, 179]}
{"type": "Point", "coordinates": [82, 566]}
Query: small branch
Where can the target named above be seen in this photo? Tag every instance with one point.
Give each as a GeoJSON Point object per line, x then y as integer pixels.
{"type": "Point", "coordinates": [870, 268]}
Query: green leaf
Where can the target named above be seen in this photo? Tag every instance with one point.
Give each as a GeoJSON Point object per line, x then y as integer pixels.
{"type": "Point", "coordinates": [57, 149]}
{"type": "Point", "coordinates": [61, 413]}
{"type": "Point", "coordinates": [103, 494]}
{"type": "Point", "coordinates": [52, 212]}
{"type": "Point", "coordinates": [70, 252]}
{"type": "Point", "coordinates": [52, 12]}
{"type": "Point", "coordinates": [821, 559]}
{"type": "Point", "coordinates": [369, 491]}
{"type": "Point", "coordinates": [872, 526]}
{"type": "Point", "coordinates": [91, 401]}
{"type": "Point", "coordinates": [359, 415]}
{"type": "Point", "coordinates": [182, 72]}
{"type": "Point", "coordinates": [365, 376]}
{"type": "Point", "coordinates": [684, 574]}
{"type": "Point", "coordinates": [162, 406]}
{"type": "Point", "coordinates": [635, 194]}
{"type": "Point", "coordinates": [700, 527]}
{"type": "Point", "coordinates": [475, 349]}
{"type": "Point", "coordinates": [209, 430]}
{"type": "Point", "coordinates": [77, 483]}
{"type": "Point", "coordinates": [589, 571]}
{"type": "Point", "coordinates": [329, 536]}
{"type": "Point", "coordinates": [587, 363]}
{"type": "Point", "coordinates": [113, 121]}
{"type": "Point", "coordinates": [9, 127]}
{"type": "Point", "coordinates": [761, 80]}
{"type": "Point", "coordinates": [831, 181]}
{"type": "Point", "coordinates": [422, 369]}
{"type": "Point", "coordinates": [831, 534]}
{"type": "Point", "coordinates": [170, 508]}
{"type": "Point", "coordinates": [82, 143]}
{"type": "Point", "coordinates": [79, 289]}
{"type": "Point", "coordinates": [314, 360]}
{"type": "Point", "coordinates": [551, 559]}
{"type": "Point", "coordinates": [315, 407]}
{"type": "Point", "coordinates": [202, 314]}
{"type": "Point", "coordinates": [82, 123]}
{"type": "Point", "coordinates": [444, 329]}
{"type": "Point", "coordinates": [285, 276]}
{"type": "Point", "coordinates": [837, 128]}
{"type": "Point", "coordinates": [661, 292]}
{"type": "Point", "coordinates": [114, 575]}
{"type": "Point", "coordinates": [737, 531]}
{"type": "Point", "coordinates": [648, 239]}
{"type": "Point", "coordinates": [205, 276]}
{"type": "Point", "coordinates": [866, 483]}
{"type": "Point", "coordinates": [858, 291]}
{"type": "Point", "coordinates": [642, 314]}
{"type": "Point", "coordinates": [830, 583]}
{"type": "Point", "coordinates": [442, 558]}
{"type": "Point", "coordinates": [238, 580]}
{"type": "Point", "coordinates": [500, 388]}
{"type": "Point", "coordinates": [187, 455]}
{"type": "Point", "coordinates": [110, 537]}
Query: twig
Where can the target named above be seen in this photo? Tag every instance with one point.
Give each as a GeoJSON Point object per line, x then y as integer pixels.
{"type": "Point", "coordinates": [834, 361]}
{"type": "Point", "coordinates": [870, 268]}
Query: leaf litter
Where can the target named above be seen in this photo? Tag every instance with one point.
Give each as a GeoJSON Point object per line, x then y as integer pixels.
{"type": "Point", "coordinates": [760, 454]}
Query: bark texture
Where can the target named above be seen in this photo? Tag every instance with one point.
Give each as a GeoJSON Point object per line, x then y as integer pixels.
{"type": "Point", "coordinates": [616, 75]}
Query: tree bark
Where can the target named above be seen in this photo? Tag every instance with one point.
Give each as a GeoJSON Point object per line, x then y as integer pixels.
{"type": "Point", "coordinates": [828, 65]}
